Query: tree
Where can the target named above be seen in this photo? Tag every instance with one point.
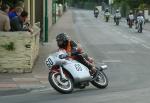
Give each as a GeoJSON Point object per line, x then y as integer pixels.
{"type": "Point", "coordinates": [11, 3]}
{"type": "Point", "coordinates": [133, 3]}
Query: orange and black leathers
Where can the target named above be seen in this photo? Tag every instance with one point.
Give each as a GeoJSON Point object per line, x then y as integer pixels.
{"type": "Point", "coordinates": [74, 53]}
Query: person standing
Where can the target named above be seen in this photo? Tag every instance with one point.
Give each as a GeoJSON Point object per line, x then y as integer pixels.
{"type": "Point", "coordinates": [4, 19]}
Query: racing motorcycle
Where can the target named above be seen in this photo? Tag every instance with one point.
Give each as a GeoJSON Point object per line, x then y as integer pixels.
{"type": "Point", "coordinates": [96, 12]}
{"type": "Point", "coordinates": [130, 21]}
{"type": "Point", "coordinates": [139, 27]}
{"type": "Point", "coordinates": [65, 74]}
{"type": "Point", "coordinates": [140, 22]}
{"type": "Point", "coordinates": [117, 18]}
{"type": "Point", "coordinates": [107, 15]}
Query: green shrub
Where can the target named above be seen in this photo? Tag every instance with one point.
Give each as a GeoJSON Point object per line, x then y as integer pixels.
{"type": "Point", "coordinates": [9, 46]}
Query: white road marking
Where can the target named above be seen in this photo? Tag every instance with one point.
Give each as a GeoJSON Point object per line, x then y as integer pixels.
{"type": "Point", "coordinates": [25, 79]}
{"type": "Point", "coordinates": [148, 47]}
{"type": "Point", "coordinates": [111, 61]}
{"type": "Point", "coordinates": [119, 52]}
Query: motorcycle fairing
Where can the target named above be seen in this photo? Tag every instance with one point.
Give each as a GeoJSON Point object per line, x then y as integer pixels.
{"type": "Point", "coordinates": [78, 71]}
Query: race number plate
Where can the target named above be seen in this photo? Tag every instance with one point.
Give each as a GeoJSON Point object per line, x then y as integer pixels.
{"type": "Point", "coordinates": [49, 62]}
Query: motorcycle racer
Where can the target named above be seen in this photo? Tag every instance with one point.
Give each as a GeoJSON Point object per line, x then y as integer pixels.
{"type": "Point", "coordinates": [74, 51]}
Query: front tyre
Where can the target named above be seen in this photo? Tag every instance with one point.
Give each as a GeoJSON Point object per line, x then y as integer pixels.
{"type": "Point", "coordinates": [60, 85]}
{"type": "Point", "coordinates": [101, 81]}
{"type": "Point", "coordinates": [107, 18]}
{"type": "Point", "coordinates": [117, 22]}
{"type": "Point", "coordinates": [141, 28]}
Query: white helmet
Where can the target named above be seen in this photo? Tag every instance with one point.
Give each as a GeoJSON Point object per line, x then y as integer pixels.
{"type": "Point", "coordinates": [117, 11]}
{"type": "Point", "coordinates": [141, 11]}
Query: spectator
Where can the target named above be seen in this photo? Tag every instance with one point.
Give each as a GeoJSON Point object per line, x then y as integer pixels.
{"type": "Point", "coordinates": [16, 12]}
{"type": "Point", "coordinates": [20, 4]}
{"type": "Point", "coordinates": [17, 23]}
{"type": "Point", "coordinates": [16, 4]}
{"type": "Point", "coordinates": [4, 19]}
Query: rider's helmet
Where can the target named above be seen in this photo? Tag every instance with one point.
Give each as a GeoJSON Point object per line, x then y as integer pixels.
{"type": "Point", "coordinates": [117, 11]}
{"type": "Point", "coordinates": [106, 10]}
{"type": "Point", "coordinates": [62, 40]}
{"type": "Point", "coordinates": [130, 12]}
{"type": "Point", "coordinates": [140, 13]}
{"type": "Point", "coordinates": [95, 8]}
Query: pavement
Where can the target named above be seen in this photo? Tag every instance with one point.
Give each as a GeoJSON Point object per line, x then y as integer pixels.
{"type": "Point", "coordinates": [38, 79]}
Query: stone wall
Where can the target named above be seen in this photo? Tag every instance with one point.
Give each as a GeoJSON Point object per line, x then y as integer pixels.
{"type": "Point", "coordinates": [18, 51]}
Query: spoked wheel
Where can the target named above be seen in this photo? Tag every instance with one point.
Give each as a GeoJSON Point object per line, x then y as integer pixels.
{"type": "Point", "coordinates": [101, 81]}
{"type": "Point", "coordinates": [59, 84]}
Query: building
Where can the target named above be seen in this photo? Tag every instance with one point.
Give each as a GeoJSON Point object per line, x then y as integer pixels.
{"type": "Point", "coordinates": [111, 2]}
{"type": "Point", "coordinates": [40, 11]}
{"type": "Point", "coordinates": [20, 49]}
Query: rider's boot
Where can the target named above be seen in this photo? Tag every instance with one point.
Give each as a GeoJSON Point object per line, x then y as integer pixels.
{"type": "Point", "coordinates": [92, 69]}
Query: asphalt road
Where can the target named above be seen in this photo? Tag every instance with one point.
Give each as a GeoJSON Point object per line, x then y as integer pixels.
{"type": "Point", "coordinates": [127, 54]}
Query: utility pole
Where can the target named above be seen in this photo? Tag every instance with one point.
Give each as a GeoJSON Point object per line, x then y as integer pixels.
{"type": "Point", "coordinates": [64, 5]}
{"type": "Point", "coordinates": [46, 21]}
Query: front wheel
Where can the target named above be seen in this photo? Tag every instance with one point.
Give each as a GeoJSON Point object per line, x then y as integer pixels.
{"type": "Point", "coordinates": [107, 19]}
{"type": "Point", "coordinates": [141, 29]}
{"type": "Point", "coordinates": [96, 15]}
{"type": "Point", "coordinates": [101, 81]}
{"type": "Point", "coordinates": [130, 24]}
{"type": "Point", "coordinates": [117, 22]}
{"type": "Point", "coordinates": [60, 85]}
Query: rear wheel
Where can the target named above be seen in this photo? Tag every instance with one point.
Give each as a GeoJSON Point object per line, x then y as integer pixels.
{"type": "Point", "coordinates": [59, 84]}
{"type": "Point", "coordinates": [101, 81]}
{"type": "Point", "coordinates": [107, 19]}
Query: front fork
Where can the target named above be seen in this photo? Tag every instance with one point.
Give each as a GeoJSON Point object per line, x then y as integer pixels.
{"type": "Point", "coordinates": [63, 77]}
{"type": "Point", "coordinates": [59, 70]}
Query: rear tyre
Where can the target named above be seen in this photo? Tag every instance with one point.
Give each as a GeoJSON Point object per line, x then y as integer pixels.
{"type": "Point", "coordinates": [101, 81]}
{"type": "Point", "coordinates": [60, 85]}
{"type": "Point", "coordinates": [107, 19]}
